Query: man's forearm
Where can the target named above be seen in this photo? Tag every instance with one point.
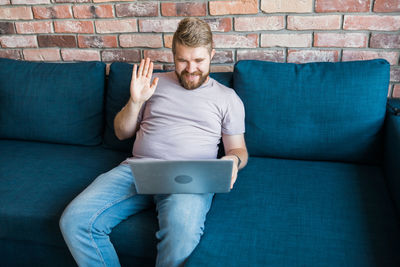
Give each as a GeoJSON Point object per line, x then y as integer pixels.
{"type": "Point", "coordinates": [125, 123]}
{"type": "Point", "coordinates": [241, 153]}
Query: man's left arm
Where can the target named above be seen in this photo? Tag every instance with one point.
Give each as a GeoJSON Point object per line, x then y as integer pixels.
{"type": "Point", "coordinates": [235, 149]}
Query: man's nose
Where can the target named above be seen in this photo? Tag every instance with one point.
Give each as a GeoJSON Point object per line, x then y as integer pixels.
{"type": "Point", "coordinates": [191, 67]}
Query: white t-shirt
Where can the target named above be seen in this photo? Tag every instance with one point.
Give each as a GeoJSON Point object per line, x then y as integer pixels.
{"type": "Point", "coordinates": [176, 123]}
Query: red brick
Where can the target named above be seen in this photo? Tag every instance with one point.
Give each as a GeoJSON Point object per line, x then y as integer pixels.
{"type": "Point", "coordinates": [221, 68]}
{"type": "Point", "coordinates": [164, 56]}
{"type": "Point", "coordinates": [385, 40]}
{"type": "Point", "coordinates": [236, 41]}
{"type": "Point", "coordinates": [304, 56]}
{"type": "Point", "coordinates": [219, 24]}
{"type": "Point", "coordinates": [125, 55]}
{"type": "Point", "coordinates": [373, 22]}
{"type": "Point", "coordinates": [46, 54]}
{"type": "Point", "coordinates": [342, 6]}
{"type": "Point", "coordinates": [158, 25]}
{"type": "Point", "coordinates": [387, 6]}
{"type": "Point", "coordinates": [141, 40]}
{"type": "Point", "coordinates": [183, 9]}
{"type": "Point", "coordinates": [57, 40]}
{"type": "Point", "coordinates": [315, 22]}
{"type": "Point", "coordinates": [88, 12]}
{"type": "Point", "coordinates": [350, 55]}
{"type": "Point", "coordinates": [73, 26]}
{"type": "Point", "coordinates": [233, 7]}
{"type": "Point", "coordinates": [259, 23]}
{"type": "Point", "coordinates": [97, 41]}
{"type": "Point", "coordinates": [396, 91]}
{"type": "Point", "coordinates": [52, 12]}
{"type": "Point", "coordinates": [223, 57]}
{"type": "Point", "coordinates": [80, 55]}
{"type": "Point", "coordinates": [117, 25]}
{"type": "Point", "coordinates": [7, 28]}
{"type": "Point", "coordinates": [394, 74]}
{"type": "Point", "coordinates": [10, 53]}
{"type": "Point", "coordinates": [15, 13]}
{"type": "Point", "coordinates": [280, 6]}
{"type": "Point", "coordinates": [341, 39]}
{"type": "Point", "coordinates": [168, 40]}
{"type": "Point", "coordinates": [18, 41]}
{"type": "Point", "coordinates": [34, 27]}
{"type": "Point", "coordinates": [286, 39]}
{"type": "Point", "coordinates": [72, 1]}
{"type": "Point", "coordinates": [30, 2]}
{"type": "Point", "coordinates": [267, 55]}
{"type": "Point", "coordinates": [137, 9]}
{"type": "Point", "coordinates": [101, 1]}
{"type": "Point", "coordinates": [216, 25]}
{"type": "Point", "coordinates": [158, 66]}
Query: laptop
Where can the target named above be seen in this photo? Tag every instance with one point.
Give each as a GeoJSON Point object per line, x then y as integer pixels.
{"type": "Point", "coordinates": [153, 176]}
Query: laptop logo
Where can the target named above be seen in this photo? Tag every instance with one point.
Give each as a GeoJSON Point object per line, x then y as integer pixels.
{"type": "Point", "coordinates": [183, 179]}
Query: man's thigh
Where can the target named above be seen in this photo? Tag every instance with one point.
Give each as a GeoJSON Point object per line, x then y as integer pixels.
{"type": "Point", "coordinates": [110, 198]}
{"type": "Point", "coordinates": [183, 208]}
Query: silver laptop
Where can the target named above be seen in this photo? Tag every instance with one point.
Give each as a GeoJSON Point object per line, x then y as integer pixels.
{"type": "Point", "coordinates": [181, 176]}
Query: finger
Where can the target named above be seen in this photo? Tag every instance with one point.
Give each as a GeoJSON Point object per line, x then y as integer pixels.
{"type": "Point", "coordinates": [134, 73]}
{"type": "Point", "coordinates": [146, 67]}
{"type": "Point", "coordinates": [150, 72]}
{"type": "Point", "coordinates": [234, 177]}
{"type": "Point", "coordinates": [154, 84]}
{"type": "Point", "coordinates": [140, 68]}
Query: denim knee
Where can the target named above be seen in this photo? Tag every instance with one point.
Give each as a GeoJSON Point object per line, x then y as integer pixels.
{"type": "Point", "coordinates": [72, 224]}
{"type": "Point", "coordinates": [184, 232]}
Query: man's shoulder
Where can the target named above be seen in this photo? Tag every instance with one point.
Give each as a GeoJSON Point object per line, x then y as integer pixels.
{"type": "Point", "coordinates": [223, 89]}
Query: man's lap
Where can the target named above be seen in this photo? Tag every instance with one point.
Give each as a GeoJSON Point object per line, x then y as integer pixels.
{"type": "Point", "coordinates": [112, 197]}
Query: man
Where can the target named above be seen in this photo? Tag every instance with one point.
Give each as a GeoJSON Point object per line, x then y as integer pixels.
{"type": "Point", "coordinates": [178, 115]}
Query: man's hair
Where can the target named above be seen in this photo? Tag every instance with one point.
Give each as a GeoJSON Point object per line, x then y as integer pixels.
{"type": "Point", "coordinates": [193, 32]}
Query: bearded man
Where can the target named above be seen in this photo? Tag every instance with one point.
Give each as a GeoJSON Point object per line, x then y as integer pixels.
{"type": "Point", "coordinates": [175, 115]}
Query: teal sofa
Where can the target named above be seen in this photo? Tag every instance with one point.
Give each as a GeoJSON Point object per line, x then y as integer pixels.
{"type": "Point", "coordinates": [321, 188]}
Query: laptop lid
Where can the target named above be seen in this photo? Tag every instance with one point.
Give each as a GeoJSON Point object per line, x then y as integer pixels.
{"type": "Point", "coordinates": [152, 176]}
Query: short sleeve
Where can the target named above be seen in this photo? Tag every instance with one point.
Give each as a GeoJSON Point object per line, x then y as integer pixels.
{"type": "Point", "coordinates": [233, 120]}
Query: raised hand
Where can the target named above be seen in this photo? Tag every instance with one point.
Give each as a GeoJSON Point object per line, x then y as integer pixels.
{"type": "Point", "coordinates": [140, 87]}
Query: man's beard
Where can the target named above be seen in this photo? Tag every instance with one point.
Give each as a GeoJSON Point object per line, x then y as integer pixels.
{"type": "Point", "coordinates": [191, 84]}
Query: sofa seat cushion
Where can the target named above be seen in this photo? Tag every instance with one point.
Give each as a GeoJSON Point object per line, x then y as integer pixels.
{"type": "Point", "coordinates": [302, 213]}
{"type": "Point", "coordinates": [37, 182]}
{"type": "Point", "coordinates": [52, 102]}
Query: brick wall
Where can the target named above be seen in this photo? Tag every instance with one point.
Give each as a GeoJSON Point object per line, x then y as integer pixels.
{"type": "Point", "coordinates": [275, 30]}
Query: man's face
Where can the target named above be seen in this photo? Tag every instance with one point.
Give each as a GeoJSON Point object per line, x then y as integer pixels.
{"type": "Point", "coordinates": [192, 65]}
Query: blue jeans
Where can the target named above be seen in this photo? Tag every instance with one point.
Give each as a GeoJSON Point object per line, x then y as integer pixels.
{"type": "Point", "coordinates": [88, 220]}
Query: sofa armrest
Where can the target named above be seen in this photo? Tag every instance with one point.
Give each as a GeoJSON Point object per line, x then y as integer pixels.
{"type": "Point", "coordinates": [392, 149]}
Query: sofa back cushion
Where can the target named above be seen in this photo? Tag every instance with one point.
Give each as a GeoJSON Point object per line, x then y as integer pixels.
{"type": "Point", "coordinates": [314, 111]}
{"type": "Point", "coordinates": [52, 102]}
{"type": "Point", "coordinates": [118, 95]}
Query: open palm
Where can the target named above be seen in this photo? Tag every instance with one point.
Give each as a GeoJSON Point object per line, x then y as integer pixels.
{"type": "Point", "coordinates": [141, 89]}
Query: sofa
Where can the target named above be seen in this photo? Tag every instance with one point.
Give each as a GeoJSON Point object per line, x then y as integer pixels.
{"type": "Point", "coordinates": [321, 187]}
